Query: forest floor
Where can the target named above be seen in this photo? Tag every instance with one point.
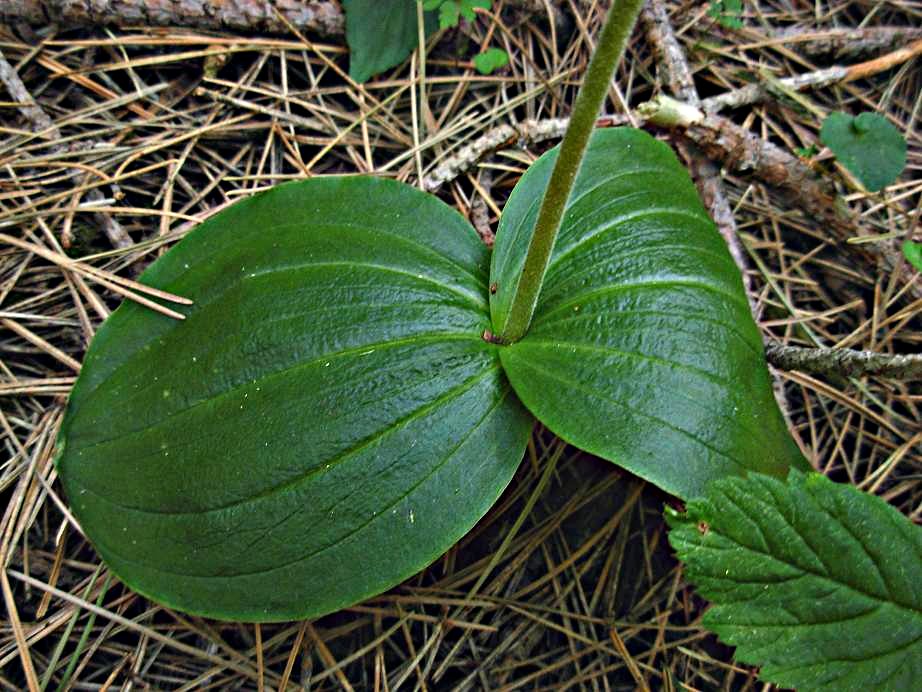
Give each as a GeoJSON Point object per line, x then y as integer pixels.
{"type": "Point", "coordinates": [139, 134]}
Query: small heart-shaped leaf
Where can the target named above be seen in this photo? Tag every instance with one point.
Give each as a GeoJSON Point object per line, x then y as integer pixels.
{"type": "Point", "coordinates": [642, 349]}
{"type": "Point", "coordinates": [326, 421]}
{"type": "Point", "coordinates": [868, 145]}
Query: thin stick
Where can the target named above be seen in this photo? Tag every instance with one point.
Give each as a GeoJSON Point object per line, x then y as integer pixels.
{"type": "Point", "coordinates": [754, 93]}
{"type": "Point", "coordinates": [126, 287]}
{"type": "Point", "coordinates": [844, 362]}
{"type": "Point", "coordinates": [36, 340]}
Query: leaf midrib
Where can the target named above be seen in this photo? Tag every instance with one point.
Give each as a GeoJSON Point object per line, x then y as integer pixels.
{"type": "Point", "coordinates": [425, 339]}
{"type": "Point", "coordinates": [382, 513]}
{"type": "Point", "coordinates": [331, 463]}
{"type": "Point", "coordinates": [914, 610]}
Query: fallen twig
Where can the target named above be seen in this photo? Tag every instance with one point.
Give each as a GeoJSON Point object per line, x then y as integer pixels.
{"type": "Point", "coordinates": [324, 17]}
{"type": "Point", "coordinates": [844, 362]}
{"type": "Point", "coordinates": [759, 91]}
{"type": "Point", "coordinates": [740, 150]}
{"type": "Point", "coordinates": [842, 43]}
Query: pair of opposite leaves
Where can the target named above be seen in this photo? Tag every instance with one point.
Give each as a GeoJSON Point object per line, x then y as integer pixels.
{"type": "Point", "coordinates": [328, 419]}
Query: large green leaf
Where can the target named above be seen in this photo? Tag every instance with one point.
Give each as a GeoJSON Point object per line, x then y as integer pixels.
{"type": "Point", "coordinates": [642, 349]}
{"type": "Point", "coordinates": [818, 583]}
{"type": "Point", "coordinates": [325, 422]}
{"type": "Point", "coordinates": [381, 34]}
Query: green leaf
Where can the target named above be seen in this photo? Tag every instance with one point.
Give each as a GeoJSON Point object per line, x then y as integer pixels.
{"type": "Point", "coordinates": [326, 421]}
{"type": "Point", "coordinates": [818, 583]}
{"type": "Point", "coordinates": [381, 34]}
{"type": "Point", "coordinates": [913, 253]}
{"type": "Point", "coordinates": [491, 60]}
{"type": "Point", "coordinates": [867, 145]}
{"type": "Point", "coordinates": [449, 14]}
{"type": "Point", "coordinates": [643, 349]}
{"type": "Point", "coordinates": [728, 13]}
{"type": "Point", "coordinates": [468, 7]}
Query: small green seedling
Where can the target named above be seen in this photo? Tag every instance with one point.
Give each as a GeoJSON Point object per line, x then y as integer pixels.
{"type": "Point", "coordinates": [491, 60]}
{"type": "Point", "coordinates": [727, 13]}
{"type": "Point", "coordinates": [451, 11]}
{"type": "Point", "coordinates": [868, 145]}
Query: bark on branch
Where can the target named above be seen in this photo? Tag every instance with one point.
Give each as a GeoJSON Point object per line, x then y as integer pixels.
{"type": "Point", "coordinates": [844, 362]}
{"type": "Point", "coordinates": [322, 17]}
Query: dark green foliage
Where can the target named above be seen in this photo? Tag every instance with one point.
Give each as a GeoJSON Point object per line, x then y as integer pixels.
{"type": "Point", "coordinates": [325, 422]}
{"type": "Point", "coordinates": [727, 13]}
{"type": "Point", "coordinates": [913, 253]}
{"type": "Point", "coordinates": [816, 582]}
{"type": "Point", "coordinates": [381, 34]}
{"type": "Point", "coordinates": [642, 349]}
{"type": "Point", "coordinates": [329, 418]}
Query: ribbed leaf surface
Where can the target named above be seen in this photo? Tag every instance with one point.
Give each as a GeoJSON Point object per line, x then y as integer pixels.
{"type": "Point", "coordinates": [643, 349]}
{"type": "Point", "coordinates": [325, 422]}
{"type": "Point", "coordinates": [817, 583]}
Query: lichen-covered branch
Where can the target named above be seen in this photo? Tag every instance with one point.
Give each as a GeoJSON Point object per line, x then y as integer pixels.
{"type": "Point", "coordinates": [845, 43]}
{"type": "Point", "coordinates": [844, 362]}
{"type": "Point", "coordinates": [759, 91]}
{"type": "Point", "coordinates": [669, 53]}
{"type": "Point", "coordinates": [324, 18]}
{"type": "Point", "coordinates": [501, 137]}
{"type": "Point", "coordinates": [30, 110]}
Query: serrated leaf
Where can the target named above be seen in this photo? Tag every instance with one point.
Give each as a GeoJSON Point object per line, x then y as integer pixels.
{"type": "Point", "coordinates": [491, 60]}
{"type": "Point", "coordinates": [325, 422]}
{"type": "Point", "coordinates": [449, 14]}
{"type": "Point", "coordinates": [642, 349]}
{"type": "Point", "coordinates": [913, 253]}
{"type": "Point", "coordinates": [381, 35]}
{"type": "Point", "coordinates": [468, 7]}
{"type": "Point", "coordinates": [816, 582]}
{"type": "Point", "coordinates": [867, 145]}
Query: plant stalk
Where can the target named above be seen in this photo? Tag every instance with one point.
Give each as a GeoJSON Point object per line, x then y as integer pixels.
{"type": "Point", "coordinates": [612, 41]}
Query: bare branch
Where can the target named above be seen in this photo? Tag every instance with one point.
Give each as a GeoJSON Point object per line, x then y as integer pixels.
{"type": "Point", "coordinates": [844, 362]}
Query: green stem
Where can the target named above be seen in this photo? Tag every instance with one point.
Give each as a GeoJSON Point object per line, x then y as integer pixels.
{"type": "Point", "coordinates": [613, 39]}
